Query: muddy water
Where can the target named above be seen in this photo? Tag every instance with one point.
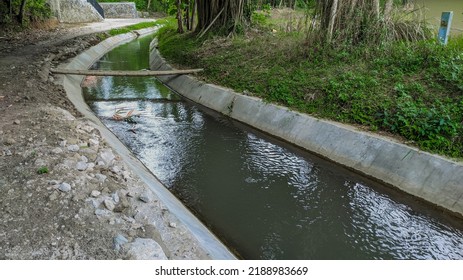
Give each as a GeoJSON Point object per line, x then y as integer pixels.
{"type": "Point", "coordinates": [263, 198]}
{"type": "Point", "coordinates": [433, 10]}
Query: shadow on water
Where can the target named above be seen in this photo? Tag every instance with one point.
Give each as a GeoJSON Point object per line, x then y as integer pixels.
{"type": "Point", "coordinates": [263, 197]}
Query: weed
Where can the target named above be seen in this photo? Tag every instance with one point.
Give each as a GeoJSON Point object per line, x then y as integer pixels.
{"type": "Point", "coordinates": [42, 170]}
{"type": "Point", "coordinates": [137, 26]}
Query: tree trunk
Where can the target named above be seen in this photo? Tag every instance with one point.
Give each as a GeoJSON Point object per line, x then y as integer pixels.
{"type": "Point", "coordinates": [376, 8]}
{"type": "Point", "coordinates": [22, 11]}
{"type": "Point", "coordinates": [9, 7]}
{"type": "Point", "coordinates": [187, 15]}
{"type": "Point", "coordinates": [8, 4]}
{"type": "Point", "coordinates": [179, 17]}
{"type": "Point", "coordinates": [224, 15]}
{"type": "Point", "coordinates": [334, 9]}
{"type": "Point", "coordinates": [193, 14]}
{"type": "Point", "coordinates": [148, 5]}
{"type": "Point", "coordinates": [388, 9]}
{"type": "Point", "coordinates": [352, 7]}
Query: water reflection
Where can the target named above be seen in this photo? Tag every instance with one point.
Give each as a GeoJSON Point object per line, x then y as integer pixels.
{"type": "Point", "coordinates": [393, 230]}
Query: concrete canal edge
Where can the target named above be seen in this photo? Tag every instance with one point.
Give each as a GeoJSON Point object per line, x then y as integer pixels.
{"type": "Point", "coordinates": [71, 84]}
{"type": "Point", "coordinates": [429, 177]}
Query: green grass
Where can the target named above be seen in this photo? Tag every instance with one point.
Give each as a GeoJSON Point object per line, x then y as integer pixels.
{"type": "Point", "coordinates": [413, 91]}
{"type": "Point", "coordinates": [42, 170]}
{"type": "Point", "coordinates": [137, 26]}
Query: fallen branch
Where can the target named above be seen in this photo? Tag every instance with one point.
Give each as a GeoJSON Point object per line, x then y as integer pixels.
{"type": "Point", "coordinates": [140, 73]}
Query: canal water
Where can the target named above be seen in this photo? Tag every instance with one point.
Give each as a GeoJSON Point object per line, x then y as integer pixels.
{"type": "Point", "coordinates": [263, 198]}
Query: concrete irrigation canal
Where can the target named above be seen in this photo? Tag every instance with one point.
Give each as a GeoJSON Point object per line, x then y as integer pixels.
{"type": "Point", "coordinates": [263, 198]}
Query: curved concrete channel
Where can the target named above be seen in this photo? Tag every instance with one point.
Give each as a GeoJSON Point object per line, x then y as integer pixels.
{"type": "Point", "coordinates": [432, 178]}
{"type": "Point", "coordinates": [71, 83]}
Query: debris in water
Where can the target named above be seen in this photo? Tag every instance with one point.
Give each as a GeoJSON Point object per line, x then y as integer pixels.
{"type": "Point", "coordinates": [124, 114]}
{"type": "Point", "coordinates": [90, 81]}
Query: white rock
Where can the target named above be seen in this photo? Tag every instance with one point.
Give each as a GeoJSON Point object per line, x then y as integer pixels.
{"type": "Point", "coordinates": [93, 142]}
{"type": "Point", "coordinates": [145, 249]}
{"type": "Point", "coordinates": [90, 166]}
{"type": "Point", "coordinates": [172, 225]}
{"type": "Point", "coordinates": [115, 169]}
{"type": "Point", "coordinates": [100, 177]}
{"type": "Point", "coordinates": [16, 121]}
{"type": "Point", "coordinates": [102, 213]}
{"type": "Point", "coordinates": [126, 175]}
{"type": "Point", "coordinates": [73, 148]}
{"type": "Point", "coordinates": [86, 128]}
{"type": "Point", "coordinates": [107, 156]}
{"type": "Point", "coordinates": [57, 151]}
{"type": "Point", "coordinates": [115, 221]}
{"type": "Point", "coordinates": [145, 197]}
{"type": "Point", "coordinates": [109, 204]}
{"type": "Point", "coordinates": [95, 193]}
{"type": "Point", "coordinates": [63, 143]}
{"type": "Point", "coordinates": [64, 187]}
{"type": "Point", "coordinates": [81, 166]}
{"type": "Point", "coordinates": [128, 219]}
{"type": "Point", "coordinates": [115, 197]}
{"type": "Point", "coordinates": [118, 241]}
{"type": "Point", "coordinates": [84, 159]}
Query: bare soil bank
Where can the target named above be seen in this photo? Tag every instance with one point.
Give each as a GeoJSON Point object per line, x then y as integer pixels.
{"type": "Point", "coordinates": [64, 194]}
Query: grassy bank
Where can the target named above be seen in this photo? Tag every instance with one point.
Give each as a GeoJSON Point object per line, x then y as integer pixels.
{"type": "Point", "coordinates": [412, 91]}
{"type": "Point", "coordinates": [137, 26]}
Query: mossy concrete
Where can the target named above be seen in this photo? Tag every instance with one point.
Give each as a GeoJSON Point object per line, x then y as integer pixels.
{"type": "Point", "coordinates": [433, 178]}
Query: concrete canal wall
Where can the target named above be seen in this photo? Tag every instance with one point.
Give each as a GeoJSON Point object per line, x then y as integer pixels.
{"type": "Point", "coordinates": [430, 177]}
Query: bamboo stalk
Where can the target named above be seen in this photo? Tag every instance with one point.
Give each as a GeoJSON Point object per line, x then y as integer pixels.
{"type": "Point", "coordinates": [388, 9]}
{"type": "Point", "coordinates": [333, 12]}
{"type": "Point", "coordinates": [376, 9]}
{"type": "Point", "coordinates": [141, 73]}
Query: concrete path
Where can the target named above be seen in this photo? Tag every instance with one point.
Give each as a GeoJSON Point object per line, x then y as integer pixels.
{"type": "Point", "coordinates": [75, 30]}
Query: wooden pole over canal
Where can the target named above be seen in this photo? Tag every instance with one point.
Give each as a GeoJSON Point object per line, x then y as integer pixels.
{"type": "Point", "coordinates": [140, 73]}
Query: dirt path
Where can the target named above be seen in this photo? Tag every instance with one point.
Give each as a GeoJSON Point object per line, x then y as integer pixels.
{"type": "Point", "coordinates": [64, 194]}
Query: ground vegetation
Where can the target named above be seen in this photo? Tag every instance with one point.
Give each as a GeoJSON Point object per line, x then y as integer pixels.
{"type": "Point", "coordinates": [388, 75]}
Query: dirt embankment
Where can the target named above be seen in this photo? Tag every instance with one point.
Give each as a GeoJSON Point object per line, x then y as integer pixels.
{"type": "Point", "coordinates": [64, 194]}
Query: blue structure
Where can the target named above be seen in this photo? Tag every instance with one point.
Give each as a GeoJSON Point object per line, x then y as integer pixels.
{"type": "Point", "coordinates": [444, 29]}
